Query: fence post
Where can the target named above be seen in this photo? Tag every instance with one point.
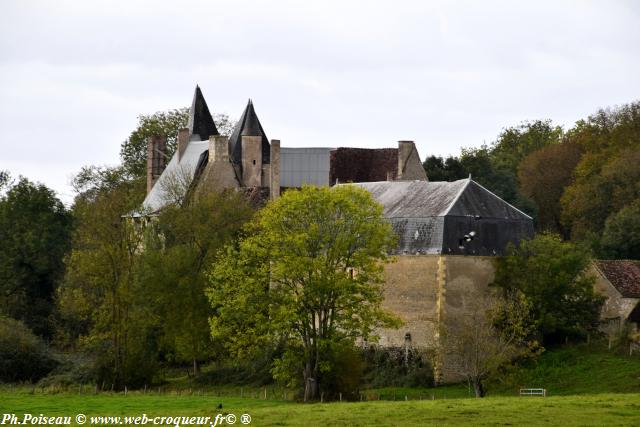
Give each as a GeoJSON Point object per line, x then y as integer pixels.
{"type": "Point", "coordinates": [321, 397]}
{"type": "Point", "coordinates": [340, 396]}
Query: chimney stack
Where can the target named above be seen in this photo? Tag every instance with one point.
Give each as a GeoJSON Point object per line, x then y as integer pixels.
{"type": "Point", "coordinates": [183, 141]}
{"type": "Point", "coordinates": [274, 181]}
{"type": "Point", "coordinates": [251, 161]}
{"type": "Point", "coordinates": [155, 159]}
{"type": "Point", "coordinates": [218, 148]}
{"type": "Point", "coordinates": [404, 151]}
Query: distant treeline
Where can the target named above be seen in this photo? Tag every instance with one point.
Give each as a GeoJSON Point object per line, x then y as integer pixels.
{"type": "Point", "coordinates": [583, 183]}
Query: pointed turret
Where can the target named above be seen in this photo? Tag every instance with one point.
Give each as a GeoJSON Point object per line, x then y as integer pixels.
{"type": "Point", "coordinates": [201, 124]}
{"type": "Point", "coordinates": [248, 125]}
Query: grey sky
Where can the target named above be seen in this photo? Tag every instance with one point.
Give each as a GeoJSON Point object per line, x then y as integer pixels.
{"type": "Point", "coordinates": [74, 75]}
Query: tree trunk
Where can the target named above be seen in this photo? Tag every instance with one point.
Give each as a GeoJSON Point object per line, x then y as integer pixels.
{"type": "Point", "coordinates": [477, 387]}
{"type": "Point", "coordinates": [311, 385]}
{"type": "Point", "coordinates": [196, 368]}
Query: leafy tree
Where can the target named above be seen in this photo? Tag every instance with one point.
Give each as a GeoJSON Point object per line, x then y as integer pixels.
{"type": "Point", "coordinates": [308, 275]}
{"type": "Point", "coordinates": [621, 236]}
{"type": "Point", "coordinates": [133, 151]}
{"type": "Point", "coordinates": [494, 332]}
{"type": "Point", "coordinates": [173, 273]}
{"type": "Point", "coordinates": [5, 180]}
{"type": "Point", "coordinates": [23, 356]}
{"type": "Point", "coordinates": [35, 230]}
{"type": "Point", "coordinates": [103, 311]}
{"type": "Point", "coordinates": [543, 176]}
{"type": "Point", "coordinates": [607, 178]}
{"type": "Point", "coordinates": [440, 169]}
{"type": "Point", "coordinates": [515, 143]}
{"type": "Point", "coordinates": [552, 276]}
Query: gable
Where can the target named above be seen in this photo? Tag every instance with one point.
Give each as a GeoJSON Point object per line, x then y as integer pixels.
{"type": "Point", "coordinates": [476, 200]}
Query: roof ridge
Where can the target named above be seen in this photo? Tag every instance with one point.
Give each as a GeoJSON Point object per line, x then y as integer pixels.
{"type": "Point", "coordinates": [499, 198]}
{"type": "Point", "coordinates": [455, 200]}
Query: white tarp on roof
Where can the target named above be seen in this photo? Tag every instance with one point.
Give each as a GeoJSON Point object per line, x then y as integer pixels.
{"type": "Point", "coordinates": [176, 174]}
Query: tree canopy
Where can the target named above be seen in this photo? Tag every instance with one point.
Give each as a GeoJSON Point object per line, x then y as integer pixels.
{"type": "Point", "coordinates": [35, 230]}
{"type": "Point", "coordinates": [552, 275]}
{"type": "Point", "coordinates": [306, 275]}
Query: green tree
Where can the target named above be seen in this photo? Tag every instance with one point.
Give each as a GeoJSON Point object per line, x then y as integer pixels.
{"type": "Point", "coordinates": [133, 151]}
{"type": "Point", "coordinates": [35, 230]}
{"type": "Point", "coordinates": [308, 275]}
{"type": "Point", "coordinates": [607, 178]}
{"type": "Point", "coordinates": [552, 275]}
{"type": "Point", "coordinates": [621, 236]}
{"type": "Point", "coordinates": [172, 273]}
{"type": "Point", "coordinates": [543, 175]}
{"type": "Point", "coordinates": [105, 314]}
{"type": "Point", "coordinates": [516, 142]}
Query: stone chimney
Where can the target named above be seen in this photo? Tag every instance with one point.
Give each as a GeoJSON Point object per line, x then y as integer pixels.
{"type": "Point", "coordinates": [409, 165]}
{"type": "Point", "coordinates": [251, 161]}
{"type": "Point", "coordinates": [274, 180]}
{"type": "Point", "coordinates": [218, 148]}
{"type": "Point", "coordinates": [404, 151]}
{"type": "Point", "coordinates": [183, 141]}
{"type": "Point", "coordinates": [155, 159]}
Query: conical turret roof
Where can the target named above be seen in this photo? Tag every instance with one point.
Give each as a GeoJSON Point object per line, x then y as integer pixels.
{"type": "Point", "coordinates": [201, 124]}
{"type": "Point", "coordinates": [248, 125]}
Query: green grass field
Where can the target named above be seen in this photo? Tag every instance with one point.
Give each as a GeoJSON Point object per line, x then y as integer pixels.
{"type": "Point", "coordinates": [587, 386]}
{"type": "Point", "coordinates": [583, 410]}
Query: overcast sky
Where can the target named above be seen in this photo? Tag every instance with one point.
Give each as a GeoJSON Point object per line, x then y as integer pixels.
{"type": "Point", "coordinates": [74, 75]}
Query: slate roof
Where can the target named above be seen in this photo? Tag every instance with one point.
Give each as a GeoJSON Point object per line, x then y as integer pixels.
{"type": "Point", "coordinates": [248, 125]}
{"type": "Point", "coordinates": [415, 199]}
{"type": "Point", "coordinates": [624, 275]}
{"type": "Point", "coordinates": [433, 217]}
{"type": "Point", "coordinates": [201, 124]}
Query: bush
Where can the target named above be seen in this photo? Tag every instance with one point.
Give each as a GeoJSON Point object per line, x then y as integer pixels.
{"type": "Point", "coordinates": [397, 367]}
{"type": "Point", "coordinates": [23, 356]}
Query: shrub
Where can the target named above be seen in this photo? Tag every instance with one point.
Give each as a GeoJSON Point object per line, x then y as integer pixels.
{"type": "Point", "coordinates": [23, 356]}
{"type": "Point", "coordinates": [398, 367]}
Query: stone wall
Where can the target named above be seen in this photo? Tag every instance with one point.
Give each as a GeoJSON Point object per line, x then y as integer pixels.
{"type": "Point", "coordinates": [431, 293]}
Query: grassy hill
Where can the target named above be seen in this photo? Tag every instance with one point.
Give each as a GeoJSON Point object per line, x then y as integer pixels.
{"type": "Point", "coordinates": [575, 369]}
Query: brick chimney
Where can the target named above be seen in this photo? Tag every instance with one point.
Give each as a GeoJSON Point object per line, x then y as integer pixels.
{"type": "Point", "coordinates": [274, 181]}
{"type": "Point", "coordinates": [156, 162]}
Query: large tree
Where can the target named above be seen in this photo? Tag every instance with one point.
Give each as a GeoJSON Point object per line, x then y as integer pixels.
{"type": "Point", "coordinates": [307, 275]}
{"type": "Point", "coordinates": [104, 312]}
{"type": "Point", "coordinates": [621, 235]}
{"type": "Point", "coordinates": [543, 176]}
{"type": "Point", "coordinates": [552, 275]}
{"type": "Point", "coordinates": [607, 178]}
{"type": "Point", "coordinates": [172, 272]}
{"type": "Point", "coordinates": [35, 230]}
{"type": "Point", "coordinates": [133, 151]}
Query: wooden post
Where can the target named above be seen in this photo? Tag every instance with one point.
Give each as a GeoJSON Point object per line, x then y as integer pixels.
{"type": "Point", "coordinates": [340, 396]}
{"type": "Point", "coordinates": [265, 393]}
{"type": "Point", "coordinates": [125, 390]}
{"type": "Point", "coordinates": [321, 397]}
